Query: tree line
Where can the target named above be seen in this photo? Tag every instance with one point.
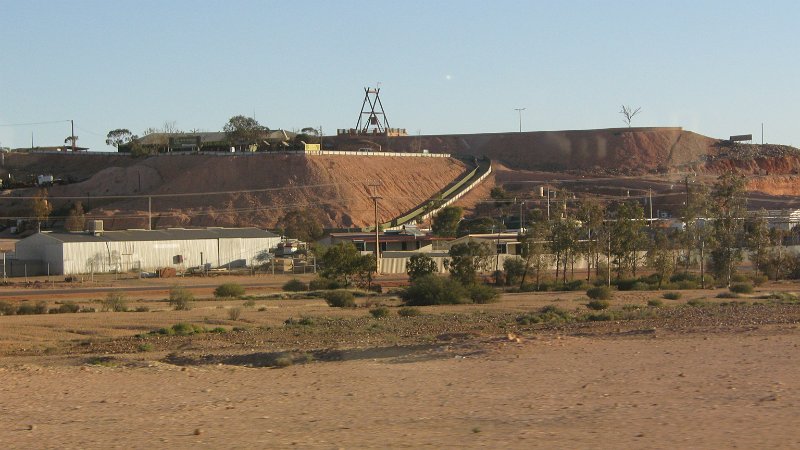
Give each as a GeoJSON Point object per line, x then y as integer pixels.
{"type": "Point", "coordinates": [615, 239]}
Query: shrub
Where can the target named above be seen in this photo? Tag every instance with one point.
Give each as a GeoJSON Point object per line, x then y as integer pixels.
{"type": "Point", "coordinates": [26, 308]}
{"type": "Point", "coordinates": [549, 313]}
{"type": "Point", "coordinates": [234, 313]}
{"type": "Point", "coordinates": [180, 299]}
{"type": "Point", "coordinates": [599, 293]}
{"type": "Point", "coordinates": [183, 329]}
{"type": "Point", "coordinates": [782, 297]}
{"type": "Point", "coordinates": [738, 278]}
{"type": "Point", "coordinates": [66, 307]}
{"type": "Point", "coordinates": [408, 311]}
{"type": "Point", "coordinates": [625, 284]}
{"type": "Point", "coordinates": [142, 309]}
{"type": "Point", "coordinates": [574, 285]}
{"type": "Point", "coordinates": [758, 279]}
{"type": "Point", "coordinates": [742, 288]}
{"type": "Point", "coordinates": [319, 284]}
{"type": "Point", "coordinates": [145, 347]}
{"type": "Point", "coordinates": [601, 317]}
{"type": "Point", "coordinates": [115, 301]}
{"type": "Point", "coordinates": [696, 302]}
{"type": "Point", "coordinates": [481, 293]}
{"type": "Point", "coordinates": [249, 303]}
{"type": "Point", "coordinates": [340, 299]}
{"type": "Point", "coordinates": [379, 312]}
{"type": "Point", "coordinates": [295, 285]}
{"type": "Point", "coordinates": [598, 305]}
{"type": "Point", "coordinates": [7, 309]}
{"type": "Point", "coordinates": [672, 295]}
{"type": "Point", "coordinates": [434, 290]}
{"type": "Point", "coordinates": [686, 284]}
{"type": "Point", "coordinates": [228, 290]}
{"type": "Point", "coordinates": [683, 276]}
{"type": "Point", "coordinates": [640, 286]}
{"type": "Point", "coordinates": [727, 295]}
{"type": "Point", "coordinates": [655, 303]}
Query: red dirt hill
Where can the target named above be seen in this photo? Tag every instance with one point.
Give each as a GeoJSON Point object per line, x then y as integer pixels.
{"type": "Point", "coordinates": [332, 187]}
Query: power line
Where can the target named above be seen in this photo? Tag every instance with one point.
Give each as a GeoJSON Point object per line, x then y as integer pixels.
{"type": "Point", "coordinates": [32, 123]}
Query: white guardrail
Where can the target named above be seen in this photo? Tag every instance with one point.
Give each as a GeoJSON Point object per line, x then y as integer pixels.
{"type": "Point", "coordinates": [290, 152]}
{"type": "Point", "coordinates": [460, 194]}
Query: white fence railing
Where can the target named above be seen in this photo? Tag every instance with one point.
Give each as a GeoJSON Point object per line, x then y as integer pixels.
{"type": "Point", "coordinates": [287, 152]}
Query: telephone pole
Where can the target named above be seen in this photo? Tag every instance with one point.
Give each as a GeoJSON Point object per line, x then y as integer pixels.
{"type": "Point", "coordinates": [375, 197]}
{"type": "Point", "coordinates": [519, 111]}
{"type": "Point", "coordinates": [72, 136]}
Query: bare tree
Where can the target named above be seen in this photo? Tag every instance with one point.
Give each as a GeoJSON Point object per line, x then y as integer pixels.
{"type": "Point", "coordinates": [628, 112]}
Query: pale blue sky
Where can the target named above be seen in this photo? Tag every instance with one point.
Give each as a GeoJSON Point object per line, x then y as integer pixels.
{"type": "Point", "coordinates": [714, 67]}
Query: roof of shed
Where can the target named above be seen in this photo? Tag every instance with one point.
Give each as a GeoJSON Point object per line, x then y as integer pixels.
{"type": "Point", "coordinates": [169, 234]}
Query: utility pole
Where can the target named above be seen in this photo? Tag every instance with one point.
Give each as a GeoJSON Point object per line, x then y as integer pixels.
{"type": "Point", "coordinates": [548, 203]}
{"type": "Point", "coordinates": [762, 133]}
{"type": "Point", "coordinates": [519, 111]}
{"type": "Point", "coordinates": [149, 213]}
{"type": "Point", "coordinates": [522, 216]}
{"type": "Point", "coordinates": [375, 197]}
{"type": "Point", "coordinates": [72, 135]}
{"type": "Point", "coordinates": [650, 195]}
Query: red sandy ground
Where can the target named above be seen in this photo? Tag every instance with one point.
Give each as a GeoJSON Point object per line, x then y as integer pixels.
{"type": "Point", "coordinates": [674, 391]}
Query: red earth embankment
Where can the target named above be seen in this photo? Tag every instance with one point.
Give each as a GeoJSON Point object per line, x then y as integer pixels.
{"type": "Point", "coordinates": [606, 151]}
{"type": "Point", "coordinates": [255, 190]}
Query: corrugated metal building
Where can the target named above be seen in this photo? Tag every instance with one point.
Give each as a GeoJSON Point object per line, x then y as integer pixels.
{"type": "Point", "coordinates": [108, 251]}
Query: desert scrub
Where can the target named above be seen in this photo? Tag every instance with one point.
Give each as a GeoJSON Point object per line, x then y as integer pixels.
{"type": "Point", "coordinates": [229, 290]}
{"type": "Point", "coordinates": [697, 302]}
{"type": "Point", "coordinates": [481, 293]}
{"type": "Point", "coordinates": [655, 303]}
{"type": "Point", "coordinates": [741, 288]}
{"type": "Point", "coordinates": [434, 290]}
{"type": "Point", "coordinates": [295, 285]}
{"type": "Point", "coordinates": [180, 299]}
{"type": "Point", "coordinates": [380, 311]}
{"type": "Point", "coordinates": [672, 295]}
{"type": "Point", "coordinates": [547, 314]}
{"type": "Point", "coordinates": [598, 305]}
{"type": "Point", "coordinates": [599, 293]}
{"type": "Point", "coordinates": [303, 321]}
{"type": "Point", "coordinates": [340, 299]}
{"type": "Point", "coordinates": [181, 329]}
{"type": "Point", "coordinates": [409, 311]}
{"type": "Point", "coordinates": [234, 313]}
{"type": "Point", "coordinates": [115, 301]}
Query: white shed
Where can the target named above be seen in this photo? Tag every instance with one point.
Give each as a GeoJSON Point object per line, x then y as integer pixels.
{"type": "Point", "coordinates": [106, 251]}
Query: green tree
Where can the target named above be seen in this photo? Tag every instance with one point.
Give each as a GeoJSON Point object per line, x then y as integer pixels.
{"type": "Point", "coordinates": [659, 257]}
{"type": "Point", "coordinates": [729, 199]}
{"type": "Point", "coordinates": [119, 137]}
{"type": "Point", "coordinates": [302, 224]}
{"type": "Point", "coordinates": [757, 239]}
{"type": "Point", "coordinates": [628, 238]}
{"type": "Point", "coordinates": [420, 265]}
{"type": "Point", "coordinates": [514, 269]}
{"type": "Point", "coordinates": [467, 259]}
{"type": "Point", "coordinates": [343, 262]}
{"type": "Point", "coordinates": [591, 215]}
{"type": "Point", "coordinates": [534, 253]}
{"type": "Point", "coordinates": [563, 243]}
{"type": "Point", "coordinates": [76, 220]}
{"type": "Point", "coordinates": [445, 222]}
{"type": "Point", "coordinates": [244, 130]}
{"type": "Point", "coordinates": [696, 235]}
{"type": "Point", "coordinates": [479, 225]}
{"type": "Point", "coordinates": [41, 208]}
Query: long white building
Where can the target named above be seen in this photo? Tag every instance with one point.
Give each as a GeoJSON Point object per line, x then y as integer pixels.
{"type": "Point", "coordinates": [107, 251]}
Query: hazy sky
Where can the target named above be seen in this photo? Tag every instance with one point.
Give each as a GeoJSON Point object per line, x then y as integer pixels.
{"type": "Point", "coordinates": [714, 67]}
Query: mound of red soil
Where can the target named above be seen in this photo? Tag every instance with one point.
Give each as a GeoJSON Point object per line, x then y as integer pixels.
{"type": "Point", "coordinates": [607, 151]}
{"type": "Point", "coordinates": [332, 187]}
